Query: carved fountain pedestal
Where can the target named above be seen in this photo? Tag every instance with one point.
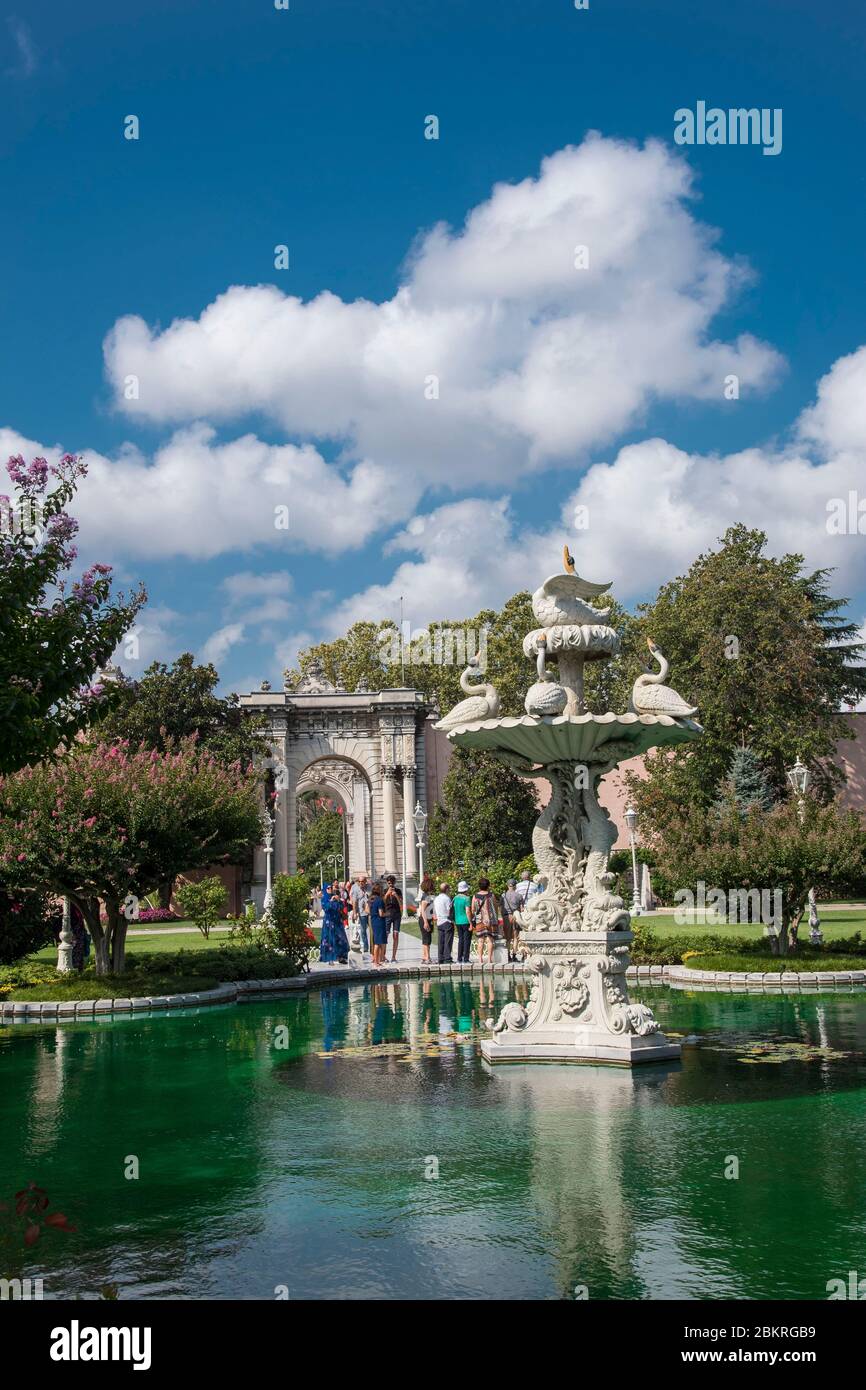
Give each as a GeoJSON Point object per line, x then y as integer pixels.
{"type": "Point", "coordinates": [579, 1009]}
{"type": "Point", "coordinates": [575, 929]}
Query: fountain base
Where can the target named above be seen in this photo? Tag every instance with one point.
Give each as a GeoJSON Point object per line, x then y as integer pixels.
{"type": "Point", "coordinates": [579, 1009]}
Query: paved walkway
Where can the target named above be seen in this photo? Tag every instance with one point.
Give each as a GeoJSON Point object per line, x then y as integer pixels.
{"type": "Point", "coordinates": [408, 953]}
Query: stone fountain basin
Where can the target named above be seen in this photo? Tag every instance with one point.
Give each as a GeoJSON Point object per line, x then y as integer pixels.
{"type": "Point", "coordinates": [573, 738]}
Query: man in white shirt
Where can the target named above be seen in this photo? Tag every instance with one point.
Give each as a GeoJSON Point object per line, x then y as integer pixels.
{"type": "Point", "coordinates": [444, 922]}
{"type": "Point", "coordinates": [524, 888]}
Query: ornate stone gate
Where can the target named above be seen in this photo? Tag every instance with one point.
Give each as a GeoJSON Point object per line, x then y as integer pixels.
{"type": "Point", "coordinates": [367, 749]}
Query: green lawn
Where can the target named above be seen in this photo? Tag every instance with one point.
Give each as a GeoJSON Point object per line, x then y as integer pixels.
{"type": "Point", "coordinates": [165, 943]}
{"type": "Point", "coordinates": [767, 964]}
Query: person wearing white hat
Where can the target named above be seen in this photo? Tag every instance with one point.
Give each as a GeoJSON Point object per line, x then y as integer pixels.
{"type": "Point", "coordinates": [461, 921]}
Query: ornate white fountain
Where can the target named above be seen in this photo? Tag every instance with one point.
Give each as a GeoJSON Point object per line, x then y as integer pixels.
{"type": "Point", "coordinates": [576, 931]}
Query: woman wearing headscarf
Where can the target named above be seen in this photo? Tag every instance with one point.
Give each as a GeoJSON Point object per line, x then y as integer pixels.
{"type": "Point", "coordinates": [335, 943]}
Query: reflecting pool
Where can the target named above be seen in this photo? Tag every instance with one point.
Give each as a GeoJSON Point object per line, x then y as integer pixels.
{"type": "Point", "coordinates": [352, 1143]}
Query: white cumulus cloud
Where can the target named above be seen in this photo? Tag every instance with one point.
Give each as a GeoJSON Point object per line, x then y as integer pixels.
{"type": "Point", "coordinates": [199, 498]}
{"type": "Point", "coordinates": [536, 361]}
{"type": "Point", "coordinates": [220, 643]}
{"type": "Point", "coordinates": [644, 518]}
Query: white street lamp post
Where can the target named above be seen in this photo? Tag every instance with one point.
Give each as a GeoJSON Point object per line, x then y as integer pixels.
{"type": "Point", "coordinates": [419, 820]}
{"type": "Point", "coordinates": [400, 828]}
{"type": "Point", "coordinates": [335, 859]}
{"type": "Point", "coordinates": [799, 777]}
{"type": "Point", "coordinates": [268, 822]}
{"type": "Point", "coordinates": [631, 821]}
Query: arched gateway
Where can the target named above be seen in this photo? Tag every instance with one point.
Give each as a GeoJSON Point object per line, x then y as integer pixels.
{"type": "Point", "coordinates": [366, 749]}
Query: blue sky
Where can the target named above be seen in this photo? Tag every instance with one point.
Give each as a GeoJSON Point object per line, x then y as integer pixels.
{"type": "Point", "coordinates": [305, 127]}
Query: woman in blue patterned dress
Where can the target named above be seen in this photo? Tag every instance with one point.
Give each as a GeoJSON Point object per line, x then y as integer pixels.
{"type": "Point", "coordinates": [335, 943]}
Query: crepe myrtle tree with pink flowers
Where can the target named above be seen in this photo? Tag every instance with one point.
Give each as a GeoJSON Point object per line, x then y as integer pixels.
{"type": "Point", "coordinates": [101, 821]}
{"type": "Point", "coordinates": [55, 634]}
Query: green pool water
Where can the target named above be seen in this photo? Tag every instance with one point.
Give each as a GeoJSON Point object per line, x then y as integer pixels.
{"type": "Point", "coordinates": [295, 1142]}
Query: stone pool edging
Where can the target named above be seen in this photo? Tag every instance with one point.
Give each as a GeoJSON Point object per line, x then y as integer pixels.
{"type": "Point", "coordinates": [239, 991]}
{"type": "Point", "coordinates": [787, 980]}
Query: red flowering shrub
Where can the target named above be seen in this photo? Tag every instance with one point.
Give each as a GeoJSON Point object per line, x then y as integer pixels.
{"type": "Point", "coordinates": [157, 914]}
{"type": "Point", "coordinates": [103, 822]}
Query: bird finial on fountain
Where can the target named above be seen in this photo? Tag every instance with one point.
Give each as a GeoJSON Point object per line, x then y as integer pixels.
{"type": "Point", "coordinates": [479, 706]}
{"type": "Point", "coordinates": [650, 696]}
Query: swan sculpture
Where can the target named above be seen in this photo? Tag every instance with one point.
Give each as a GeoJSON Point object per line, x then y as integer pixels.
{"type": "Point", "coordinates": [477, 707]}
{"type": "Point", "coordinates": [650, 696]}
{"type": "Point", "coordinates": [545, 697]}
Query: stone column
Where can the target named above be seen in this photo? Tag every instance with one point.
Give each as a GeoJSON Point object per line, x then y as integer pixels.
{"type": "Point", "coordinates": [389, 821]}
{"type": "Point", "coordinates": [408, 808]}
{"type": "Point", "coordinates": [369, 852]}
{"type": "Point", "coordinates": [287, 829]}
{"type": "Point", "coordinates": [283, 861]}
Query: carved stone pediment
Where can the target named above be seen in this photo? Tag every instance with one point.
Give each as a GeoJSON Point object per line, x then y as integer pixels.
{"type": "Point", "coordinates": [314, 681]}
{"type": "Point", "coordinates": [332, 771]}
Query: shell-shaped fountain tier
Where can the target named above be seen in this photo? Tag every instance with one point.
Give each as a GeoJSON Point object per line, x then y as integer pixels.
{"type": "Point", "coordinates": [578, 738]}
{"type": "Point", "coordinates": [562, 599]}
{"type": "Point", "coordinates": [592, 641]}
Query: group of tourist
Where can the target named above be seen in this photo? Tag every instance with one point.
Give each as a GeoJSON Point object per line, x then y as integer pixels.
{"type": "Point", "coordinates": [360, 914]}
{"type": "Point", "coordinates": [365, 915]}
{"type": "Point", "coordinates": [482, 916]}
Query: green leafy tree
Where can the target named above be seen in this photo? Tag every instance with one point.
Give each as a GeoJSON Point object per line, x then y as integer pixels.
{"type": "Point", "coordinates": [54, 636]}
{"type": "Point", "coordinates": [764, 650]}
{"type": "Point", "coordinates": [432, 661]}
{"type": "Point", "coordinates": [172, 702]}
{"type": "Point", "coordinates": [321, 837]}
{"type": "Point", "coordinates": [487, 813]}
{"type": "Point", "coordinates": [203, 902]}
{"type": "Point", "coordinates": [784, 851]}
{"type": "Point", "coordinates": [101, 823]}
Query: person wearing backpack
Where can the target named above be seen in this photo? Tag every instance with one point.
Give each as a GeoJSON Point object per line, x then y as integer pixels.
{"type": "Point", "coordinates": [484, 916]}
